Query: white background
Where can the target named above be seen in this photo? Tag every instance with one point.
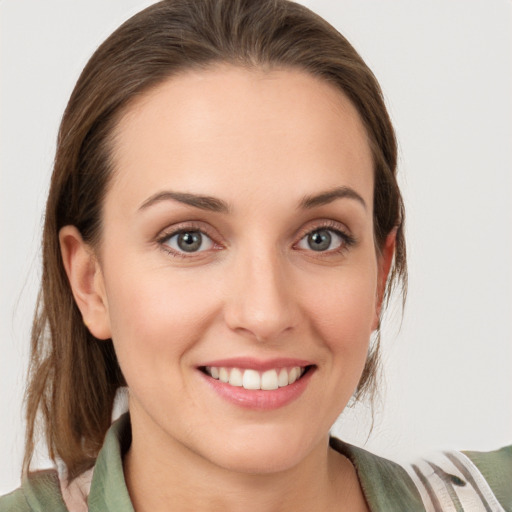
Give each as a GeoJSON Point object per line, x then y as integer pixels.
{"type": "Point", "coordinates": [446, 70]}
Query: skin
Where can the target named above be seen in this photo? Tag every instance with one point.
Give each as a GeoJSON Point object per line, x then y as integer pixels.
{"type": "Point", "coordinates": [256, 290]}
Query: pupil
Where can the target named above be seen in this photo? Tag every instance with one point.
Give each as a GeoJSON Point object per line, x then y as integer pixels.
{"type": "Point", "coordinates": [320, 240]}
{"type": "Point", "coordinates": [190, 241]}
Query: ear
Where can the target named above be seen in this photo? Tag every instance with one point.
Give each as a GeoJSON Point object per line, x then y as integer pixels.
{"type": "Point", "coordinates": [384, 262]}
{"type": "Point", "coordinates": [86, 281]}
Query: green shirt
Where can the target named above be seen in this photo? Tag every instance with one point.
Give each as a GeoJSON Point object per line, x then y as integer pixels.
{"type": "Point", "coordinates": [386, 485]}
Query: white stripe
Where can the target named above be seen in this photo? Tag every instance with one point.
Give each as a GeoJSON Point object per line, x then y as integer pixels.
{"type": "Point", "coordinates": [467, 494]}
{"type": "Point", "coordinates": [480, 481]}
{"type": "Point", "coordinates": [437, 487]}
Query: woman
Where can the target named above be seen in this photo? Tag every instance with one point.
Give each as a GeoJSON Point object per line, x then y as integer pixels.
{"type": "Point", "coordinates": [222, 230]}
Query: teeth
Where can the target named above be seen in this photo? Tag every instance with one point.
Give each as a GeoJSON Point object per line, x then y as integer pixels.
{"type": "Point", "coordinates": [236, 377]}
{"type": "Point", "coordinates": [252, 379]}
{"type": "Point", "coordinates": [269, 380]}
{"type": "Point", "coordinates": [282, 380]}
{"type": "Point", "coordinates": [223, 375]}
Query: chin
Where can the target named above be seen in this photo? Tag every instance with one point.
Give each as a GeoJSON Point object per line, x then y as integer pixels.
{"type": "Point", "coordinates": [261, 452]}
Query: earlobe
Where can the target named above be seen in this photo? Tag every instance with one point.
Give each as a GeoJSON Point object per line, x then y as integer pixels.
{"type": "Point", "coordinates": [385, 261]}
{"type": "Point", "coordinates": [86, 281]}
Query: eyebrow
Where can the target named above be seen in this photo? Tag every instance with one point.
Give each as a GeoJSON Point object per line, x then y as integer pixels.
{"type": "Point", "coordinates": [329, 196]}
{"type": "Point", "coordinates": [203, 202]}
{"type": "Point", "coordinates": [214, 204]}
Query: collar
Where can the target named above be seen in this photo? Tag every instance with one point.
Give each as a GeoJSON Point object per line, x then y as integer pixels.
{"type": "Point", "coordinates": [385, 484]}
{"type": "Point", "coordinates": [108, 487]}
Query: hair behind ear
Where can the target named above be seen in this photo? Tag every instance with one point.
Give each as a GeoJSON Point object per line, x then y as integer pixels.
{"type": "Point", "coordinates": [73, 374]}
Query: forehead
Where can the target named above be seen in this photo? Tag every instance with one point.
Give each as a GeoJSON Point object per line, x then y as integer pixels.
{"type": "Point", "coordinates": [206, 131]}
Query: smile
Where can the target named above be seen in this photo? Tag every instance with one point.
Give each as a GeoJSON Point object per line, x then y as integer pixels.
{"type": "Point", "coordinates": [252, 379]}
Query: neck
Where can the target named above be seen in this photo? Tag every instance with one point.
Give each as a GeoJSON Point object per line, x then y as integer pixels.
{"type": "Point", "coordinates": [171, 473]}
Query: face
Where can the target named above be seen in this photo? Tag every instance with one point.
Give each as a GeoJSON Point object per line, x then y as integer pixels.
{"type": "Point", "coordinates": [237, 266]}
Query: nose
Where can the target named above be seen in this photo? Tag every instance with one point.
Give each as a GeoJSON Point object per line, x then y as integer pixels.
{"type": "Point", "coordinates": [261, 303]}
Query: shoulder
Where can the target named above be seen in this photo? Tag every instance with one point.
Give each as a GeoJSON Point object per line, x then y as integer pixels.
{"type": "Point", "coordinates": [465, 480]}
{"type": "Point", "coordinates": [40, 492]}
{"type": "Point", "coordinates": [496, 468]}
{"type": "Point", "coordinates": [100, 489]}
{"type": "Point", "coordinates": [447, 480]}
{"type": "Point", "coordinates": [14, 502]}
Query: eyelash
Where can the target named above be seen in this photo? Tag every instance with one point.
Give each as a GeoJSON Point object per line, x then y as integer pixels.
{"type": "Point", "coordinates": [187, 228]}
{"type": "Point", "coordinates": [334, 227]}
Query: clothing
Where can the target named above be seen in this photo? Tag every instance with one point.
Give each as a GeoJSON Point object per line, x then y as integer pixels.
{"type": "Point", "coordinates": [386, 485]}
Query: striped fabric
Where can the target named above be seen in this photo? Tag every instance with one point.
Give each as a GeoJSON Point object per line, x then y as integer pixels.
{"type": "Point", "coordinates": [450, 482]}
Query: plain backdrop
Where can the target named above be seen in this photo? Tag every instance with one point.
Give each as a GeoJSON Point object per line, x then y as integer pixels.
{"type": "Point", "coordinates": [446, 70]}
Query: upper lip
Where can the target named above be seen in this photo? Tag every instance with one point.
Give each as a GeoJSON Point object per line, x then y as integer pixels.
{"type": "Point", "coordinates": [257, 364]}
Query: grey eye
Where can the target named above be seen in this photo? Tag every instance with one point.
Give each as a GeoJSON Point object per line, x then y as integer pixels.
{"type": "Point", "coordinates": [319, 240]}
{"type": "Point", "coordinates": [322, 240]}
{"type": "Point", "coordinates": [190, 241]}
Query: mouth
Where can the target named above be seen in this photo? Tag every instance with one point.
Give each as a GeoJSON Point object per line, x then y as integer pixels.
{"type": "Point", "coordinates": [252, 379]}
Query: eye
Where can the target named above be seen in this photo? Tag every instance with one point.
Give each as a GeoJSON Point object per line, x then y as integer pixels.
{"type": "Point", "coordinates": [189, 241]}
{"type": "Point", "coordinates": [321, 240]}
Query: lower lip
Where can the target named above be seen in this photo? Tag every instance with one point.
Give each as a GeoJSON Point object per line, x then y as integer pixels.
{"type": "Point", "coordinates": [260, 399]}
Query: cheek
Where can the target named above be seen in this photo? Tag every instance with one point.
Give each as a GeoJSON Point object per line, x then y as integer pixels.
{"type": "Point", "coordinates": [347, 300]}
{"type": "Point", "coordinates": [155, 319]}
{"type": "Point", "coordinates": [342, 312]}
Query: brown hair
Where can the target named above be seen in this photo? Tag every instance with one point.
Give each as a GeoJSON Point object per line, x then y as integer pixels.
{"type": "Point", "coordinates": [73, 376]}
